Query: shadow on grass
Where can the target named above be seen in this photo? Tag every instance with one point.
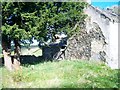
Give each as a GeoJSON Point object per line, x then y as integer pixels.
{"type": "Point", "coordinates": [31, 59]}
{"type": "Point", "coordinates": [1, 62]}
{"type": "Point", "coordinates": [26, 60]}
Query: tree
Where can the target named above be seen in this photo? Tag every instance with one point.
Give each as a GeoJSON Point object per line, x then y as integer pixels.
{"type": "Point", "coordinates": [25, 20]}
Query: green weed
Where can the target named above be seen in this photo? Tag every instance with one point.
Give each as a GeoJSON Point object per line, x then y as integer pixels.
{"type": "Point", "coordinates": [62, 74]}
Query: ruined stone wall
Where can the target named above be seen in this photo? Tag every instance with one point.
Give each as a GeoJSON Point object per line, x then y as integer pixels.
{"type": "Point", "coordinates": [79, 46]}
{"type": "Point", "coordinates": [83, 45]}
{"type": "Point", "coordinates": [98, 40]}
{"type": "Point", "coordinates": [87, 45]}
{"type": "Point", "coordinates": [108, 24]}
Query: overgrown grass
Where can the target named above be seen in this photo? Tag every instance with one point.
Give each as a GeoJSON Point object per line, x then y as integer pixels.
{"type": "Point", "coordinates": [63, 74]}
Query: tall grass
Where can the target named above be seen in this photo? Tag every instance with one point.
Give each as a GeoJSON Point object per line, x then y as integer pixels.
{"type": "Point", "coordinates": [62, 74]}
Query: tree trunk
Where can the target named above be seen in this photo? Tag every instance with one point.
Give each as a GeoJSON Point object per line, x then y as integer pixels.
{"type": "Point", "coordinates": [6, 46]}
{"type": "Point", "coordinates": [17, 51]}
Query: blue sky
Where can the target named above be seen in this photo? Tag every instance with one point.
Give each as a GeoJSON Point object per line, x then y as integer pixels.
{"type": "Point", "coordinates": [104, 3]}
{"type": "Point", "coordinates": [105, 0]}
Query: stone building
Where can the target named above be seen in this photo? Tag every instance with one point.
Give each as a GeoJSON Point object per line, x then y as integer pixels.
{"type": "Point", "coordinates": [98, 40]}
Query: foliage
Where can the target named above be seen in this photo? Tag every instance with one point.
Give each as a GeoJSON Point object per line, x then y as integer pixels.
{"type": "Point", "coordinates": [25, 20]}
{"type": "Point", "coordinates": [63, 74]}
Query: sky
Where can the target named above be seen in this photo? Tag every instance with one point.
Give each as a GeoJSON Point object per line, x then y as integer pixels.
{"type": "Point", "coordinates": [105, 3]}
{"type": "Point", "coordinates": [105, 0]}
